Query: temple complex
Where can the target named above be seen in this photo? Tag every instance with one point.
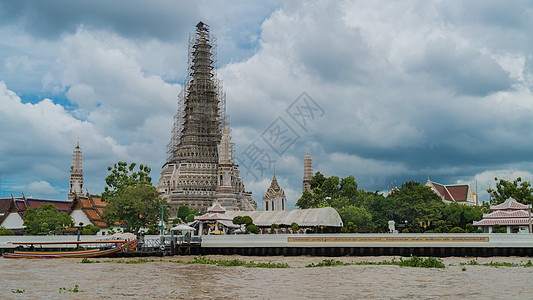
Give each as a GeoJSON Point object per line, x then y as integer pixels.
{"type": "Point", "coordinates": [76, 174]}
{"type": "Point", "coordinates": [199, 167]}
{"type": "Point", "coordinates": [274, 198]}
{"type": "Point", "coordinates": [308, 172]}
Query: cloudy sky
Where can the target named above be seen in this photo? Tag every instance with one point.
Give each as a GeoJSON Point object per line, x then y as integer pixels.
{"type": "Point", "coordinates": [394, 90]}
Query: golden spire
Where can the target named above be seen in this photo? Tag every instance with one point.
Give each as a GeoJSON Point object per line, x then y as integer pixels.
{"type": "Point", "coordinates": [274, 171]}
{"type": "Point", "coordinates": [225, 130]}
{"type": "Point", "coordinates": [78, 143]}
{"type": "Point", "coordinates": [307, 150]}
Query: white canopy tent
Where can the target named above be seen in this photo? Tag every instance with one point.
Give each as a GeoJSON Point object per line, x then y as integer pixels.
{"type": "Point", "coordinates": [183, 227]}
{"type": "Point", "coordinates": [324, 216]}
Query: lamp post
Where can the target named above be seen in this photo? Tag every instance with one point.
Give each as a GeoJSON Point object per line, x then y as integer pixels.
{"type": "Point", "coordinates": [162, 214]}
{"type": "Point", "coordinates": [425, 225]}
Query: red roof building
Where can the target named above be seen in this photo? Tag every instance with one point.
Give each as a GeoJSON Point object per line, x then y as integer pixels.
{"type": "Point", "coordinates": [458, 193]}
{"type": "Point", "coordinates": [9, 216]}
{"type": "Point", "coordinates": [507, 214]}
{"type": "Point", "coordinates": [86, 209]}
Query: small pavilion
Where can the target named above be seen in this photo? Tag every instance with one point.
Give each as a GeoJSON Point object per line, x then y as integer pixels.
{"type": "Point", "coordinates": [215, 221]}
{"type": "Point", "coordinates": [508, 214]}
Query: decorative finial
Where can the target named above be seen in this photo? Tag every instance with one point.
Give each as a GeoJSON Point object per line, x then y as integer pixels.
{"type": "Point", "coordinates": [307, 150]}
{"type": "Point", "coordinates": [274, 170]}
{"type": "Point", "coordinates": [78, 143]}
{"type": "Point", "coordinates": [225, 130]}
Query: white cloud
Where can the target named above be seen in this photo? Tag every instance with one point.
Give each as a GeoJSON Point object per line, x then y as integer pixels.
{"type": "Point", "coordinates": [409, 89]}
{"type": "Point", "coordinates": [40, 188]}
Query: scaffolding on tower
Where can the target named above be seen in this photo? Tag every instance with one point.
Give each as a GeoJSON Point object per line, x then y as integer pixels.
{"type": "Point", "coordinates": [202, 33]}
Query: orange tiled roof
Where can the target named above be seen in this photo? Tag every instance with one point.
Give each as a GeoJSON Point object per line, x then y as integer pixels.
{"type": "Point", "coordinates": [91, 214]}
{"type": "Point", "coordinates": [98, 201]}
{"type": "Point", "coordinates": [85, 203]}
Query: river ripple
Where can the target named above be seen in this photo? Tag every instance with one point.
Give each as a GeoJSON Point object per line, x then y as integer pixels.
{"type": "Point", "coordinates": [41, 279]}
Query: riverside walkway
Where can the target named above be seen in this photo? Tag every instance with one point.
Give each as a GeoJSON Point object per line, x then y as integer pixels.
{"type": "Point", "coordinates": [439, 245]}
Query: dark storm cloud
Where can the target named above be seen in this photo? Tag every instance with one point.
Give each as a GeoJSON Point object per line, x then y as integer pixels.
{"type": "Point", "coordinates": [464, 70]}
{"type": "Point", "coordinates": [165, 20]}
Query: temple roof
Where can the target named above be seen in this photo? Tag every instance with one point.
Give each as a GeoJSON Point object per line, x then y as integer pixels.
{"type": "Point", "coordinates": [216, 208]}
{"type": "Point", "coordinates": [503, 222]}
{"type": "Point", "coordinates": [510, 204]}
{"type": "Point", "coordinates": [5, 204]}
{"type": "Point", "coordinates": [274, 189]}
{"type": "Point", "coordinates": [24, 203]}
{"type": "Point", "coordinates": [92, 206]}
{"type": "Point", "coordinates": [498, 214]}
{"type": "Point", "coordinates": [452, 192]}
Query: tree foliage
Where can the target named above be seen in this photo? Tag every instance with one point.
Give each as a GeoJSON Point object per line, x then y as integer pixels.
{"type": "Point", "coordinates": [252, 228]}
{"type": "Point", "coordinates": [412, 204]}
{"type": "Point", "coordinates": [183, 212]}
{"type": "Point", "coordinates": [4, 231]}
{"type": "Point", "coordinates": [519, 190]}
{"type": "Point", "coordinates": [46, 219]}
{"type": "Point", "coordinates": [135, 207]}
{"type": "Point", "coordinates": [123, 176]}
{"type": "Point", "coordinates": [295, 227]}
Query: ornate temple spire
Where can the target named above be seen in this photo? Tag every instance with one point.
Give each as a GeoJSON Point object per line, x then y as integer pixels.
{"type": "Point", "coordinates": [199, 167]}
{"type": "Point", "coordinates": [76, 172]}
{"type": "Point", "coordinates": [274, 198]}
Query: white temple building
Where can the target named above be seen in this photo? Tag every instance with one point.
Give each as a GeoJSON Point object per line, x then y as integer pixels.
{"type": "Point", "coordinates": [507, 214]}
{"type": "Point", "coordinates": [274, 198]}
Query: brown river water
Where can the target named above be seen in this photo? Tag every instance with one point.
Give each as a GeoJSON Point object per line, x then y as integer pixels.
{"type": "Point", "coordinates": [42, 279]}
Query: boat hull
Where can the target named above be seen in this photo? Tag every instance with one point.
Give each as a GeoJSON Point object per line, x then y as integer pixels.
{"type": "Point", "coordinates": [69, 254]}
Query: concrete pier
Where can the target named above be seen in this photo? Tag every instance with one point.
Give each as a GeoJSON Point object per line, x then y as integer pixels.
{"type": "Point", "coordinates": [438, 245]}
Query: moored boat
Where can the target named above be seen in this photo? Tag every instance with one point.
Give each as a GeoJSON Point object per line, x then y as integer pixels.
{"type": "Point", "coordinates": [116, 246]}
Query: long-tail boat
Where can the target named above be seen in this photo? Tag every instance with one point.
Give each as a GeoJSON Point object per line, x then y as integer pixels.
{"type": "Point", "coordinates": [32, 252]}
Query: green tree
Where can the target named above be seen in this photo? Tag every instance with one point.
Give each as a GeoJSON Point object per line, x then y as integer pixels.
{"type": "Point", "coordinates": [123, 176]}
{"type": "Point", "coordinates": [317, 180]}
{"type": "Point", "coordinates": [247, 220]}
{"type": "Point", "coordinates": [135, 207]}
{"type": "Point", "coordinates": [358, 216]}
{"type": "Point", "coordinates": [457, 230]}
{"type": "Point", "coordinates": [295, 227]}
{"type": "Point", "coordinates": [348, 187]}
{"type": "Point", "coordinates": [4, 231]}
{"type": "Point", "coordinates": [273, 227]}
{"type": "Point", "coordinates": [190, 218]}
{"type": "Point", "coordinates": [306, 201]}
{"type": "Point", "coordinates": [183, 212]}
{"type": "Point", "coordinates": [45, 220]}
{"type": "Point", "coordinates": [349, 227]}
{"type": "Point", "coordinates": [252, 228]}
{"type": "Point", "coordinates": [416, 203]}
{"type": "Point", "coordinates": [237, 220]}
{"type": "Point", "coordinates": [519, 190]}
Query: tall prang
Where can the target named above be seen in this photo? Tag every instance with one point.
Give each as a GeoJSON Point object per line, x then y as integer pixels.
{"type": "Point", "coordinates": [191, 174]}
{"type": "Point", "coordinates": [76, 173]}
{"type": "Point", "coordinates": [308, 172]}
